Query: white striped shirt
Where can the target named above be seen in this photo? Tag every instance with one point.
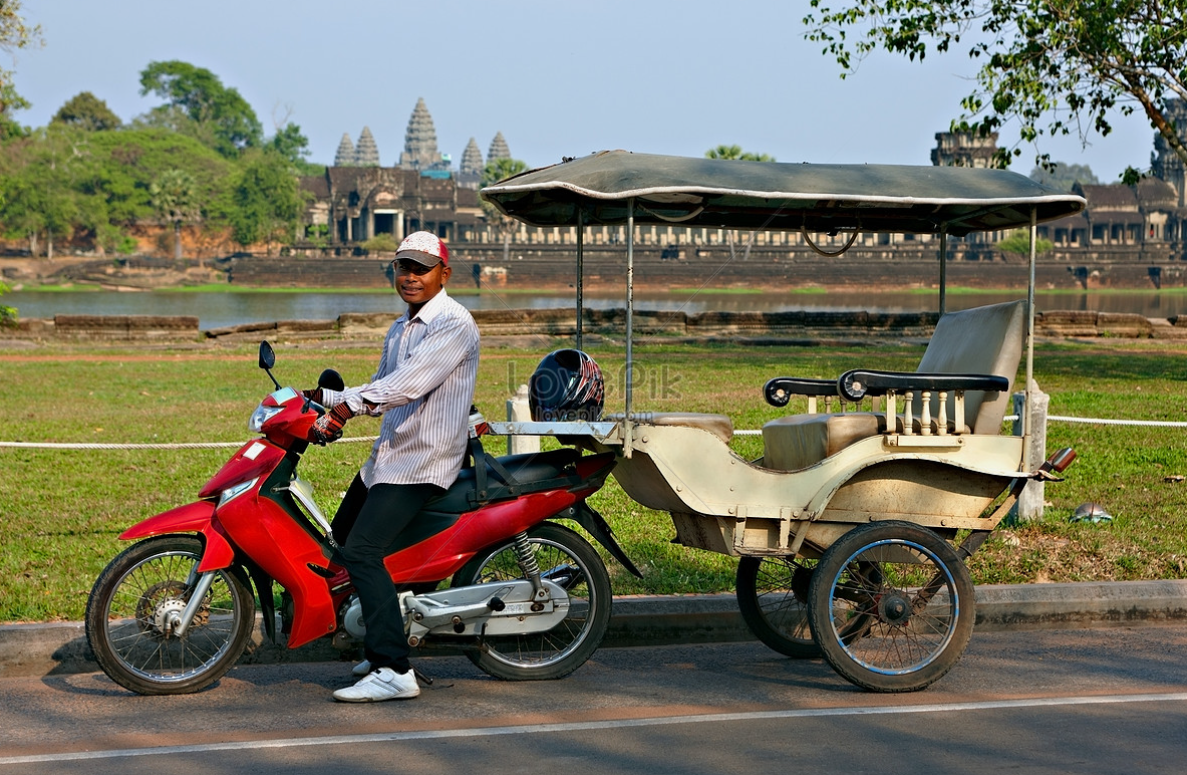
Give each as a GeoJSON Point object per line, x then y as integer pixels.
{"type": "Point", "coordinates": [424, 388]}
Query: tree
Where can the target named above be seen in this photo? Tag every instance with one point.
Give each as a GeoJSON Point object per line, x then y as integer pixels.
{"type": "Point", "coordinates": [266, 202]}
{"type": "Point", "coordinates": [1064, 176]}
{"type": "Point", "coordinates": [735, 153]}
{"type": "Point", "coordinates": [382, 242]}
{"type": "Point", "coordinates": [96, 185]}
{"type": "Point", "coordinates": [8, 315]}
{"type": "Point", "coordinates": [290, 143]}
{"type": "Point", "coordinates": [14, 34]}
{"type": "Point", "coordinates": [1053, 66]}
{"type": "Point", "coordinates": [39, 186]}
{"type": "Point", "coordinates": [86, 111]}
{"type": "Point", "coordinates": [494, 171]}
{"type": "Point", "coordinates": [1018, 243]}
{"type": "Point", "coordinates": [198, 104]}
{"type": "Point", "coordinates": [174, 196]}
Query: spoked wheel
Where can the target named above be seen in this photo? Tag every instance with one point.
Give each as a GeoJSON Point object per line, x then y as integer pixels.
{"type": "Point", "coordinates": [773, 598]}
{"type": "Point", "coordinates": [566, 559]}
{"type": "Point", "coordinates": [131, 608]}
{"type": "Point", "coordinates": [912, 595]}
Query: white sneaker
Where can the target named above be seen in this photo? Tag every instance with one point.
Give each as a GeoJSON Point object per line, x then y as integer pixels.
{"type": "Point", "coordinates": [382, 684]}
{"type": "Point", "coordinates": [361, 669]}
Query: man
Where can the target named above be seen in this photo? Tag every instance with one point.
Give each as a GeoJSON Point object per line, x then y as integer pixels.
{"type": "Point", "coordinates": [423, 388]}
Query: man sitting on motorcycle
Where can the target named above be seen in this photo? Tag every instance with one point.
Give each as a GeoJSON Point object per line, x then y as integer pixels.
{"type": "Point", "coordinates": [423, 388]}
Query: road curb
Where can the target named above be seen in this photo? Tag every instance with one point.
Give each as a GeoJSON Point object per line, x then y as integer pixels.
{"type": "Point", "coordinates": [60, 648]}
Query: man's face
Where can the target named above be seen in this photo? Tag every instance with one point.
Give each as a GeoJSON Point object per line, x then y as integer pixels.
{"type": "Point", "coordinates": [417, 283]}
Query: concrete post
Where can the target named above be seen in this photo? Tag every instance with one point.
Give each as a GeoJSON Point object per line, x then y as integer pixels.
{"type": "Point", "coordinates": [519, 411]}
{"type": "Point", "coordinates": [1030, 502]}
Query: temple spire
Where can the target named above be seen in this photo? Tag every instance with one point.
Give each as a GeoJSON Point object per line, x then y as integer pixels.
{"type": "Point", "coordinates": [420, 141]}
{"type": "Point", "coordinates": [345, 155]}
{"type": "Point", "coordinates": [366, 153]}
{"type": "Point", "coordinates": [471, 159]}
{"type": "Point", "coordinates": [498, 148]}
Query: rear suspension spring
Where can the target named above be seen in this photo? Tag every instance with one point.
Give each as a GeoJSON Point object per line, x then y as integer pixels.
{"type": "Point", "coordinates": [527, 561]}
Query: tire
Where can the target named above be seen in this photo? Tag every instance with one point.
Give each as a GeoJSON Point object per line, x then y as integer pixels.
{"type": "Point", "coordinates": [566, 647]}
{"type": "Point", "coordinates": [878, 574]}
{"type": "Point", "coordinates": [129, 600]}
{"type": "Point", "coordinates": [773, 598]}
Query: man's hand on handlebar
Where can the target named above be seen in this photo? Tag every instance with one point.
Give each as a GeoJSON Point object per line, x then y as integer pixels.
{"type": "Point", "coordinates": [328, 427]}
{"type": "Point", "coordinates": [314, 396]}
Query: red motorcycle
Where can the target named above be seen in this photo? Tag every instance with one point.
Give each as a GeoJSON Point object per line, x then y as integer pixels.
{"type": "Point", "coordinates": [526, 597]}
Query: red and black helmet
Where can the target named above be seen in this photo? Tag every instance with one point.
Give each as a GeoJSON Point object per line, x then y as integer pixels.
{"type": "Point", "coordinates": [567, 385]}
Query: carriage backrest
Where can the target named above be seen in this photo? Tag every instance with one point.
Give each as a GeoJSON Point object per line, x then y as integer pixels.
{"type": "Point", "coordinates": [982, 340]}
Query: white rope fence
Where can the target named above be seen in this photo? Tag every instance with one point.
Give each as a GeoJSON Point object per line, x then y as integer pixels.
{"type": "Point", "coordinates": [747, 432]}
{"type": "Point", "coordinates": [188, 445]}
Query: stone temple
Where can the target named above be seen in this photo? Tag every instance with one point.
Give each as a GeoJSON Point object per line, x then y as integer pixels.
{"type": "Point", "coordinates": [1143, 226]}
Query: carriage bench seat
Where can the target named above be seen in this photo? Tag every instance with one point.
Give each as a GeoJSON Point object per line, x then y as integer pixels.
{"type": "Point", "coordinates": [980, 341]}
{"type": "Point", "coordinates": [718, 424]}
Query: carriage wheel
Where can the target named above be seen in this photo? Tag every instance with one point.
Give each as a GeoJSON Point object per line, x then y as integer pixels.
{"type": "Point", "coordinates": [773, 598]}
{"type": "Point", "coordinates": [913, 596]}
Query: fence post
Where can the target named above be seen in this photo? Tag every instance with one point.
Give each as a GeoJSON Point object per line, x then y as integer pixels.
{"type": "Point", "coordinates": [1030, 502]}
{"type": "Point", "coordinates": [519, 411]}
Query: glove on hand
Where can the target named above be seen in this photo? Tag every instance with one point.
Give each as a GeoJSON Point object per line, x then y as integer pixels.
{"type": "Point", "coordinates": [328, 427]}
{"type": "Point", "coordinates": [314, 396]}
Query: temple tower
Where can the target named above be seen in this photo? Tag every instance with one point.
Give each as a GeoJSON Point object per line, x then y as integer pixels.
{"type": "Point", "coordinates": [964, 149]}
{"type": "Point", "coordinates": [498, 148]}
{"type": "Point", "coordinates": [471, 159]}
{"type": "Point", "coordinates": [1164, 163]}
{"type": "Point", "coordinates": [366, 153]}
{"type": "Point", "coordinates": [345, 155]}
{"type": "Point", "coordinates": [420, 140]}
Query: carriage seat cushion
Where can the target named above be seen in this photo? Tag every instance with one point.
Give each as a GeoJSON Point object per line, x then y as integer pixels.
{"type": "Point", "coordinates": [800, 440]}
{"type": "Point", "coordinates": [719, 425]}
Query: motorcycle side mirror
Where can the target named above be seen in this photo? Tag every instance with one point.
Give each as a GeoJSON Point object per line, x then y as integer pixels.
{"type": "Point", "coordinates": [267, 356]}
{"type": "Point", "coordinates": [331, 380]}
{"type": "Point", "coordinates": [268, 360]}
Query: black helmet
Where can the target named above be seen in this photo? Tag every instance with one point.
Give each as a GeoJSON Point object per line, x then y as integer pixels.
{"type": "Point", "coordinates": [567, 385]}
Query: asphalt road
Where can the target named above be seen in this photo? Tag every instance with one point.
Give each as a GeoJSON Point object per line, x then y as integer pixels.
{"type": "Point", "coordinates": [1083, 701]}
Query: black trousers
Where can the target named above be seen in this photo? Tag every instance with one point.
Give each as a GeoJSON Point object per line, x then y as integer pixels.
{"type": "Point", "coordinates": [367, 525]}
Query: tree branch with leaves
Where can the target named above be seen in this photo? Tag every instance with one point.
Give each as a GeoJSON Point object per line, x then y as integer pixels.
{"type": "Point", "coordinates": [1052, 67]}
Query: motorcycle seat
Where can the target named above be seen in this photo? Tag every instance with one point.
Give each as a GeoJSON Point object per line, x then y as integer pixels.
{"type": "Point", "coordinates": [526, 469]}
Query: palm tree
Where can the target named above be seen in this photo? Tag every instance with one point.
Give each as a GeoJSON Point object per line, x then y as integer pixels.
{"type": "Point", "coordinates": [735, 153]}
{"type": "Point", "coordinates": [496, 170]}
{"type": "Point", "coordinates": [174, 195]}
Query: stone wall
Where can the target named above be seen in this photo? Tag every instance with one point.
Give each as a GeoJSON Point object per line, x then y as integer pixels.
{"type": "Point", "coordinates": [774, 327]}
{"type": "Point", "coordinates": [885, 268]}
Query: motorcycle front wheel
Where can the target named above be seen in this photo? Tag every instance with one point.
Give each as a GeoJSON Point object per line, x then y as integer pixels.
{"type": "Point", "coordinates": [567, 559]}
{"type": "Point", "coordinates": [129, 610]}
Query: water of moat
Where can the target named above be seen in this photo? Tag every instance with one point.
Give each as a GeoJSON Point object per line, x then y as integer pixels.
{"type": "Point", "coordinates": [218, 310]}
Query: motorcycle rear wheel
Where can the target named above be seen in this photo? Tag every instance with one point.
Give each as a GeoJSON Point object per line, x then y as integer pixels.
{"type": "Point", "coordinates": [131, 600]}
{"type": "Point", "coordinates": [564, 558]}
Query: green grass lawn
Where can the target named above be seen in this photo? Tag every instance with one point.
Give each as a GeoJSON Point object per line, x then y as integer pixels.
{"type": "Point", "coordinates": [62, 510]}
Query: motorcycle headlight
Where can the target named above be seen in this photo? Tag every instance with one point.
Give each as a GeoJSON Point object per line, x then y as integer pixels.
{"type": "Point", "coordinates": [261, 415]}
{"type": "Point", "coordinates": [231, 493]}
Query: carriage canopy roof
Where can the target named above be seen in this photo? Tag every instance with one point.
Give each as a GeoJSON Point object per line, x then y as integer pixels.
{"type": "Point", "coordinates": [828, 198]}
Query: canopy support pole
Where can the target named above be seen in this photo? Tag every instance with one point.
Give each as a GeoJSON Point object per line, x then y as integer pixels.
{"type": "Point", "coordinates": [1027, 427]}
{"type": "Point", "coordinates": [628, 417]}
{"type": "Point", "coordinates": [943, 269]}
{"type": "Point", "coordinates": [580, 271]}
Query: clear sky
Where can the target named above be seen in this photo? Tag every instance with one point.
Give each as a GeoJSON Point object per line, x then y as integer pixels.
{"type": "Point", "coordinates": [556, 78]}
